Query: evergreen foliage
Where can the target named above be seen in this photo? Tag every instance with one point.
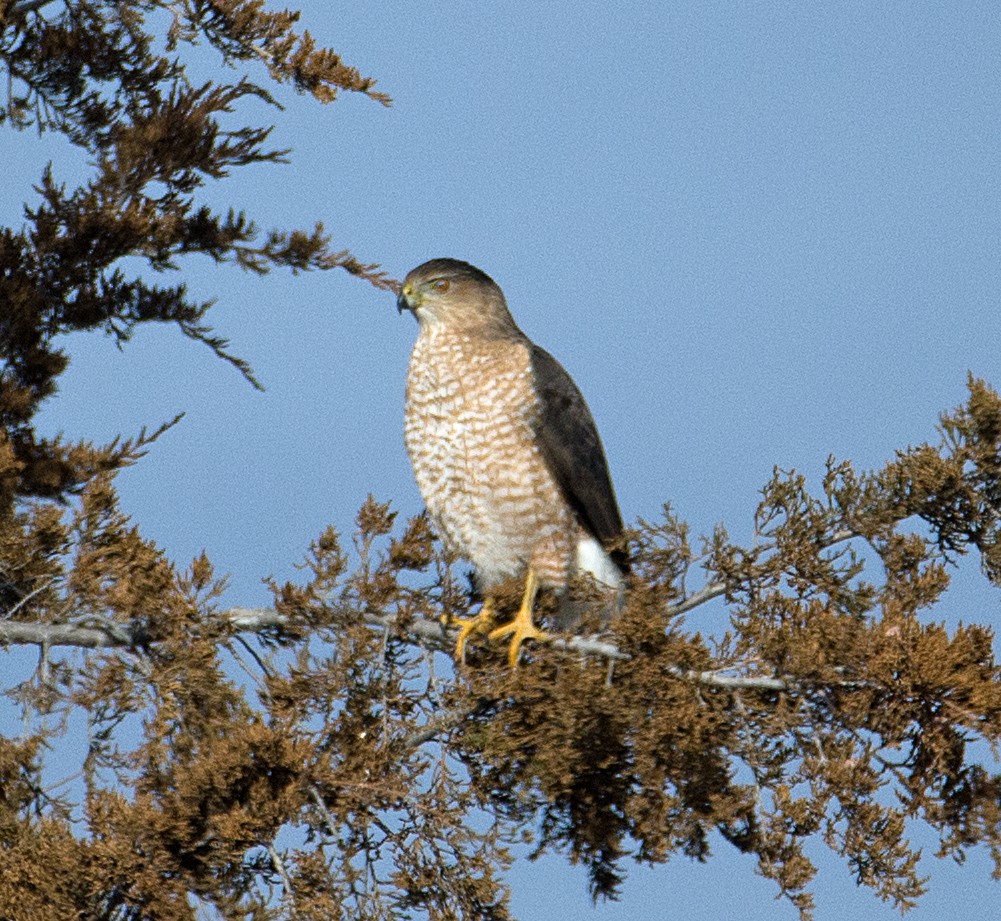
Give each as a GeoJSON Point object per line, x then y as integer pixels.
{"type": "Point", "coordinates": [320, 759]}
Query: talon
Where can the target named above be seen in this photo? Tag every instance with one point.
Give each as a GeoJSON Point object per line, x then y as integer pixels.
{"type": "Point", "coordinates": [467, 625]}
{"type": "Point", "coordinates": [521, 628]}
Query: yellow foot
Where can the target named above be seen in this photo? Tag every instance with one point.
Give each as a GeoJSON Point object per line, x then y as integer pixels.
{"type": "Point", "coordinates": [467, 625]}
{"type": "Point", "coordinates": [521, 628]}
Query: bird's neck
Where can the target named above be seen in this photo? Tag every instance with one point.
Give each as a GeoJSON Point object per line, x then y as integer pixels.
{"type": "Point", "coordinates": [476, 330]}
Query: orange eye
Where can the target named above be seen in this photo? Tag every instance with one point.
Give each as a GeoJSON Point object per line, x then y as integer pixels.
{"type": "Point", "coordinates": [440, 285]}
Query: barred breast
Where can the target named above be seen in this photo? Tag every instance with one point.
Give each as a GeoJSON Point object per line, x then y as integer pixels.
{"type": "Point", "coordinates": [468, 432]}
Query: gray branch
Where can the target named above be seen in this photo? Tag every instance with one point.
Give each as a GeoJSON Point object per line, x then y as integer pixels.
{"type": "Point", "coordinates": [734, 682]}
{"type": "Point", "coordinates": [422, 632]}
{"type": "Point", "coordinates": [427, 633]}
{"type": "Point", "coordinates": [279, 865]}
{"type": "Point", "coordinates": [714, 589]}
{"type": "Point", "coordinates": [101, 636]}
{"type": "Point", "coordinates": [444, 722]}
{"type": "Point", "coordinates": [706, 593]}
{"type": "Point", "coordinates": [26, 6]}
{"type": "Point", "coordinates": [107, 635]}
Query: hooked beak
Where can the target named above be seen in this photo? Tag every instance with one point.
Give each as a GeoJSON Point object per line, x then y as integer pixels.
{"type": "Point", "coordinates": [403, 301]}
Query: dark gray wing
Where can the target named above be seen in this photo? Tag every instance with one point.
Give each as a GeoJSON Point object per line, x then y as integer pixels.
{"type": "Point", "coordinates": [568, 439]}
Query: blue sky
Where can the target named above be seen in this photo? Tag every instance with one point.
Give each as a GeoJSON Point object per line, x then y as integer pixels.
{"type": "Point", "coordinates": [755, 233]}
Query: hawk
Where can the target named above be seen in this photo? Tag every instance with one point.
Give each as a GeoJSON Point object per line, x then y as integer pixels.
{"type": "Point", "coordinates": [505, 453]}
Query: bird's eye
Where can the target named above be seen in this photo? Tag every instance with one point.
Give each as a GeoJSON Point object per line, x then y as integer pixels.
{"type": "Point", "coordinates": [440, 285]}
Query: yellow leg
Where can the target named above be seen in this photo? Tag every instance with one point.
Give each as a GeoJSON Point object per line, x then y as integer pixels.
{"type": "Point", "coordinates": [521, 628]}
{"type": "Point", "coordinates": [477, 624]}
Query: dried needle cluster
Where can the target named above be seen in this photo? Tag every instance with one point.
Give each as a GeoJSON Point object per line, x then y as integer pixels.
{"type": "Point", "coordinates": [322, 758]}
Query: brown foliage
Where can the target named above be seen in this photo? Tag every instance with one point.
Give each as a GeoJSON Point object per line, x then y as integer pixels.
{"type": "Point", "coordinates": [92, 71]}
{"type": "Point", "coordinates": [322, 758]}
{"type": "Point", "coordinates": [349, 775]}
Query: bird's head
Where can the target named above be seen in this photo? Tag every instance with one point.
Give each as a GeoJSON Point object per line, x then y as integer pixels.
{"type": "Point", "coordinates": [456, 295]}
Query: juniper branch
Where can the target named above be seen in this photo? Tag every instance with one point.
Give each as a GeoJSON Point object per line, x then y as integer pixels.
{"type": "Point", "coordinates": [422, 632]}
{"type": "Point", "coordinates": [25, 7]}
{"type": "Point", "coordinates": [103, 635]}
{"type": "Point", "coordinates": [715, 589]}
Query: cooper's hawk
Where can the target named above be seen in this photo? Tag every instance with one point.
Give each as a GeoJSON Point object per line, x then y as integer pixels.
{"type": "Point", "coordinates": [504, 449]}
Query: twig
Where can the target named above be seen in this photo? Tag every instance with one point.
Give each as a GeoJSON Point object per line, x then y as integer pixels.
{"type": "Point", "coordinates": [23, 601]}
{"type": "Point", "coordinates": [328, 819]}
{"type": "Point", "coordinates": [276, 862]}
{"type": "Point", "coordinates": [714, 589]}
{"type": "Point", "coordinates": [706, 593]}
{"type": "Point", "coordinates": [450, 719]}
{"type": "Point", "coordinates": [263, 666]}
{"type": "Point", "coordinates": [26, 6]}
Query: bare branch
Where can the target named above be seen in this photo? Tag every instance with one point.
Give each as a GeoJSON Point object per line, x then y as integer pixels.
{"type": "Point", "coordinates": [25, 7]}
{"type": "Point", "coordinates": [715, 589]}
{"type": "Point", "coordinates": [426, 633]}
{"type": "Point", "coordinates": [35, 591]}
{"type": "Point", "coordinates": [443, 722]}
{"type": "Point", "coordinates": [279, 865]}
{"type": "Point", "coordinates": [734, 682]}
{"type": "Point", "coordinates": [590, 645]}
{"type": "Point", "coordinates": [105, 635]}
{"type": "Point", "coordinates": [254, 620]}
{"type": "Point", "coordinates": [708, 591]}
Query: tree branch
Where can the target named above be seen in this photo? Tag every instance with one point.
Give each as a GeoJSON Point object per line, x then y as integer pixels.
{"type": "Point", "coordinates": [420, 632]}
{"type": "Point", "coordinates": [736, 682]}
{"type": "Point", "coordinates": [443, 722]}
{"type": "Point", "coordinates": [100, 636]}
{"type": "Point", "coordinates": [708, 591]}
{"type": "Point", "coordinates": [26, 6]}
{"type": "Point", "coordinates": [256, 620]}
{"type": "Point", "coordinates": [428, 633]}
{"type": "Point", "coordinates": [714, 589]}
{"type": "Point", "coordinates": [279, 865]}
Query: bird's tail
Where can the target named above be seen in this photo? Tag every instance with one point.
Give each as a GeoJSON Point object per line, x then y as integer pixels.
{"type": "Point", "coordinates": [598, 593]}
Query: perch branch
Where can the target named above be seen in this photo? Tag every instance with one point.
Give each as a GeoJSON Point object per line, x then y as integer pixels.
{"type": "Point", "coordinates": [421, 632]}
